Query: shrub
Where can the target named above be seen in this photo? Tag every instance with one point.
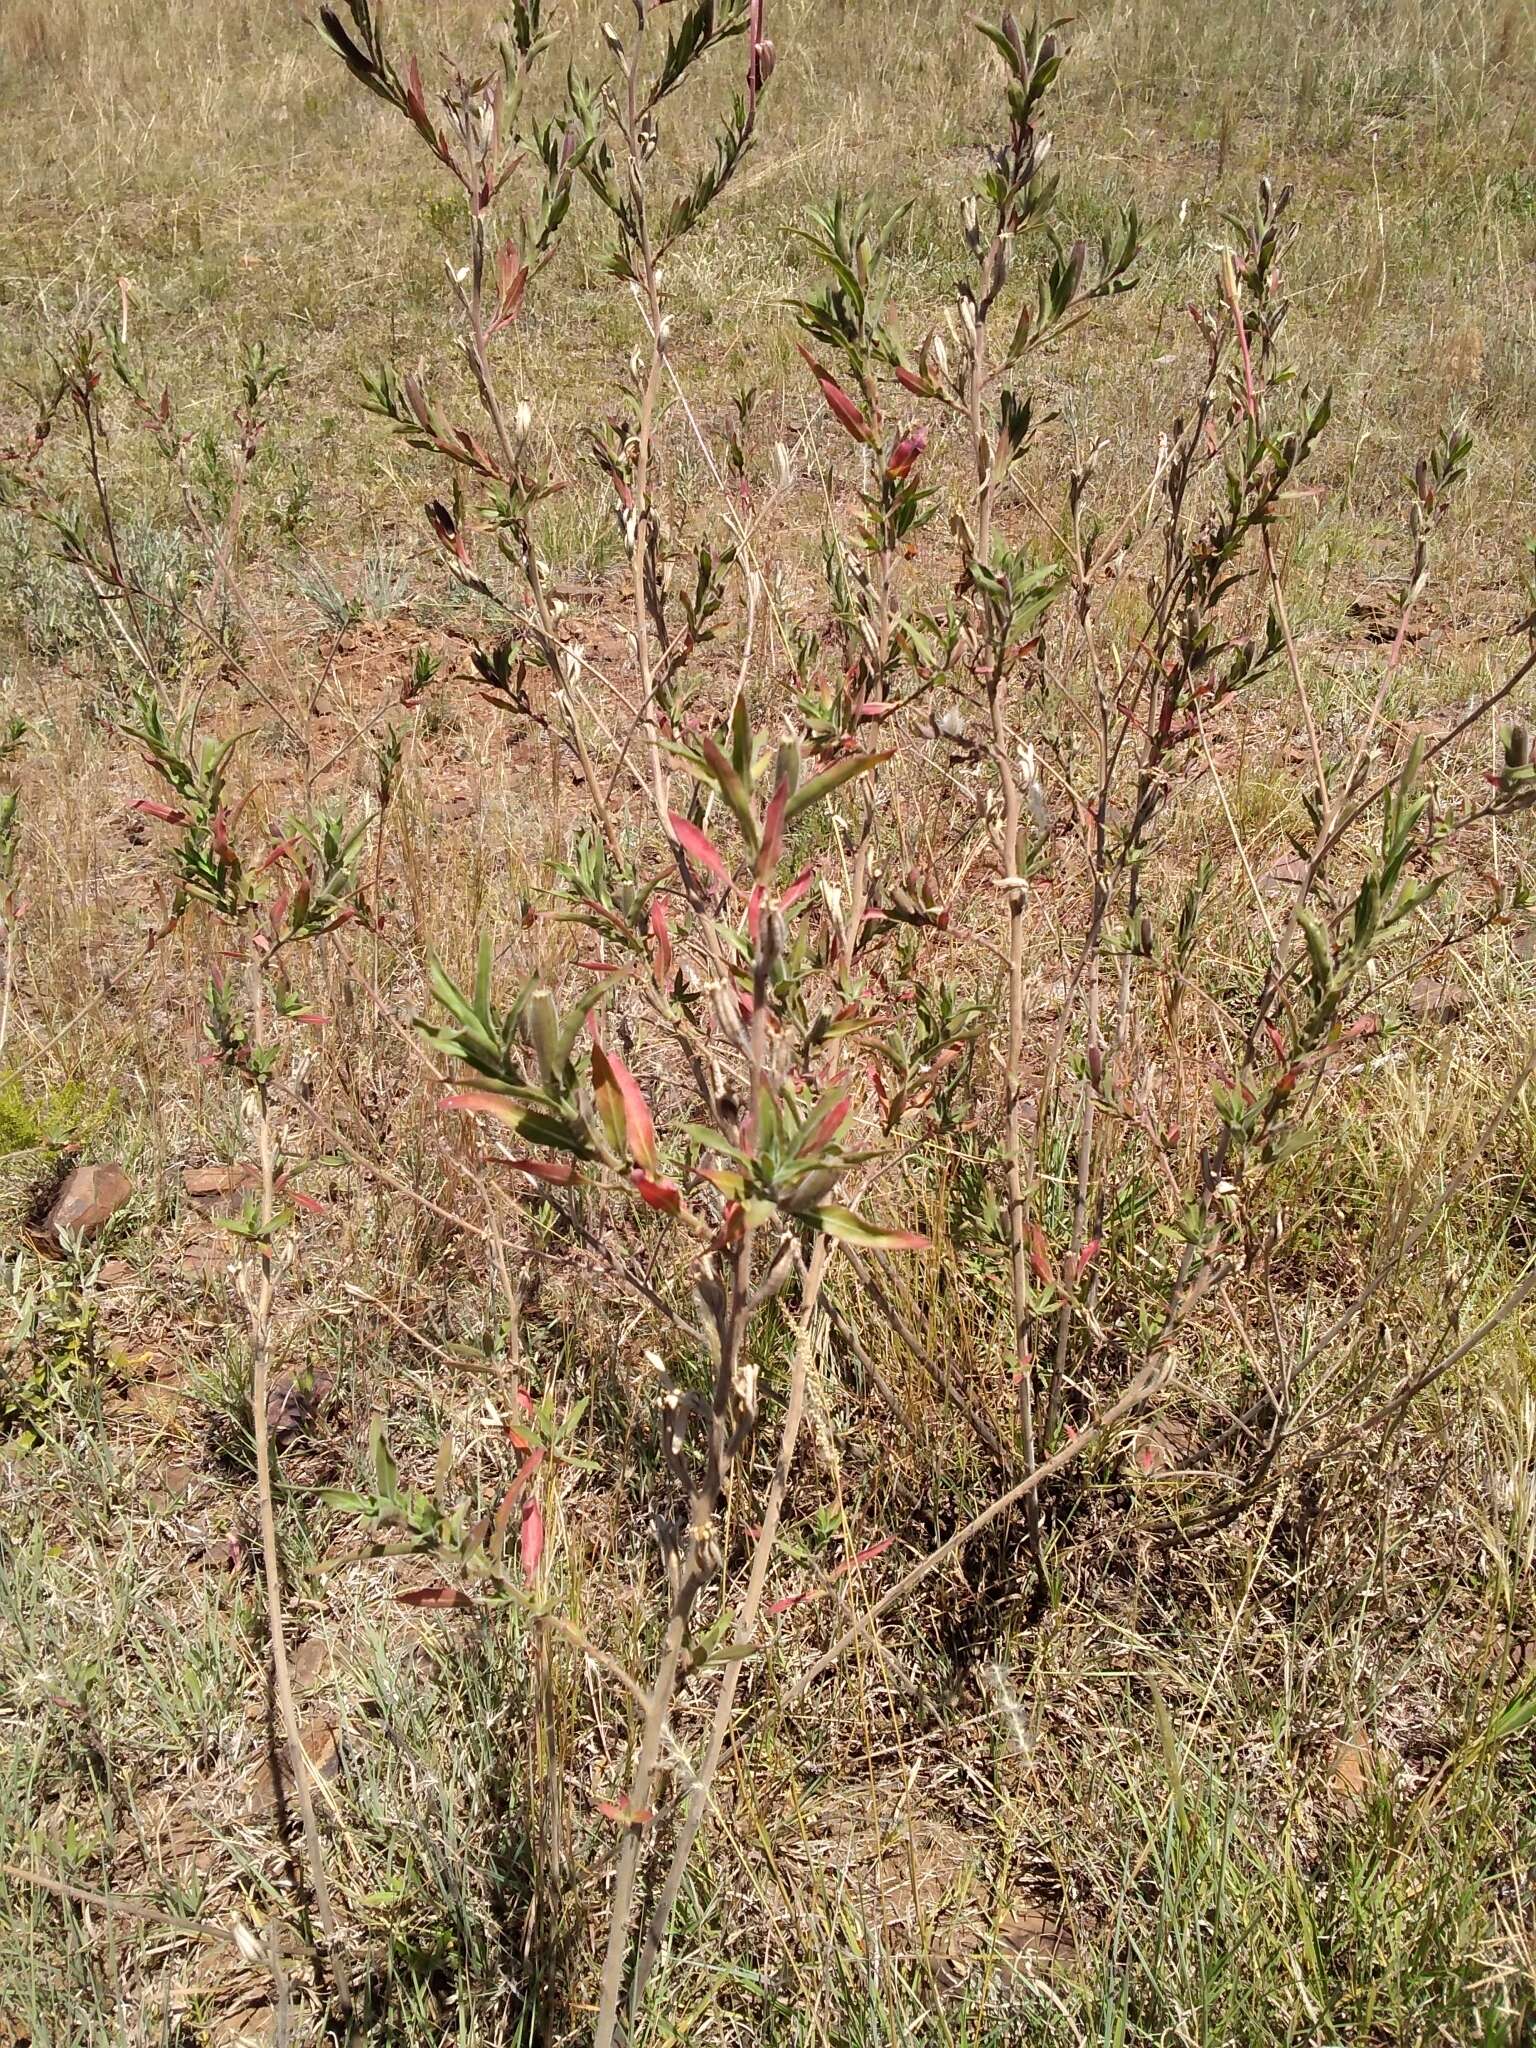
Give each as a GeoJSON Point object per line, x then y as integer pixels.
{"type": "Point", "coordinates": [820, 857]}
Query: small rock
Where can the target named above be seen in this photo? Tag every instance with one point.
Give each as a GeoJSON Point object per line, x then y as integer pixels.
{"type": "Point", "coordinates": [293, 1400]}
{"type": "Point", "coordinates": [321, 1743]}
{"type": "Point", "coordinates": [255, 2026]}
{"type": "Point", "coordinates": [214, 1253]}
{"type": "Point", "coordinates": [1036, 1940]}
{"type": "Point", "coordinates": [1161, 1447]}
{"type": "Point", "coordinates": [310, 1664]}
{"type": "Point", "coordinates": [1434, 1000]}
{"type": "Point", "coordinates": [219, 1190]}
{"type": "Point", "coordinates": [1354, 1769]}
{"type": "Point", "coordinates": [87, 1202]}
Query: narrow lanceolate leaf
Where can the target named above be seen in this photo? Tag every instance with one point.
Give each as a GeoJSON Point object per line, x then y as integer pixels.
{"type": "Point", "coordinates": [435, 1596]}
{"type": "Point", "coordinates": [866, 1556]}
{"type": "Point", "coordinates": [535, 1127]}
{"type": "Point", "coordinates": [662, 1195]}
{"type": "Point", "coordinates": [773, 831]}
{"type": "Point", "coordinates": [741, 741]}
{"type": "Point", "coordinates": [823, 1123]}
{"type": "Point", "coordinates": [833, 778]}
{"type": "Point", "coordinates": [732, 788]}
{"type": "Point", "coordinates": [477, 1102]}
{"type": "Point", "coordinates": [1514, 1717]}
{"type": "Point", "coordinates": [842, 1223]}
{"type": "Point", "coordinates": [663, 938]}
{"type": "Point", "coordinates": [625, 1113]}
{"type": "Point", "coordinates": [558, 1172]}
{"type": "Point", "coordinates": [531, 1543]}
{"type": "Point", "coordinates": [839, 404]}
{"type": "Point", "coordinates": [698, 846]}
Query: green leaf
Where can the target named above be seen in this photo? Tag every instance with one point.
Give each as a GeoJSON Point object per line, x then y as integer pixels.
{"type": "Point", "coordinates": [576, 1016]}
{"type": "Point", "coordinates": [386, 1471]}
{"type": "Point", "coordinates": [851, 1229]}
{"type": "Point", "coordinates": [544, 1030]}
{"type": "Point", "coordinates": [741, 741]}
{"type": "Point", "coordinates": [343, 1502]}
{"type": "Point", "coordinates": [1514, 1717]}
{"type": "Point", "coordinates": [535, 1126]}
{"type": "Point", "coordinates": [833, 778]}
{"type": "Point", "coordinates": [732, 788]}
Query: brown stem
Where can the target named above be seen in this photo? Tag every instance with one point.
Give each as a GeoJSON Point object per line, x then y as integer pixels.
{"type": "Point", "coordinates": [257, 1290]}
{"type": "Point", "coordinates": [730, 1422]}
{"type": "Point", "coordinates": [1013, 884]}
{"type": "Point", "coordinates": [698, 1797]}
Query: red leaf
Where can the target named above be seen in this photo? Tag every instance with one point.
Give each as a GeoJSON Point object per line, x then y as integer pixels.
{"type": "Point", "coordinates": [663, 1195]}
{"type": "Point", "coordinates": [663, 938]}
{"type": "Point", "coordinates": [732, 1226]}
{"type": "Point", "coordinates": [611, 1077]}
{"type": "Point", "coordinates": [696, 843]}
{"type": "Point", "coordinates": [307, 1202]}
{"type": "Point", "coordinates": [793, 1600]}
{"type": "Point", "coordinates": [1040, 1258]}
{"type": "Point", "coordinates": [558, 1172]}
{"type": "Point", "coordinates": [415, 96]}
{"type": "Point", "coordinates": [905, 454]}
{"type": "Point", "coordinates": [166, 813]}
{"type": "Point", "coordinates": [826, 1126]}
{"type": "Point", "coordinates": [627, 1816]}
{"type": "Point", "coordinates": [839, 404]}
{"type": "Point", "coordinates": [531, 1542]}
{"type": "Point", "coordinates": [773, 831]}
{"type": "Point", "coordinates": [864, 1556]}
{"type": "Point", "coordinates": [435, 1597]}
{"type": "Point", "coordinates": [478, 1102]}
{"type": "Point", "coordinates": [283, 850]}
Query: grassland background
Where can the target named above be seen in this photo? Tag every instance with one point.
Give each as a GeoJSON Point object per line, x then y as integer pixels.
{"type": "Point", "coordinates": [1243, 1794]}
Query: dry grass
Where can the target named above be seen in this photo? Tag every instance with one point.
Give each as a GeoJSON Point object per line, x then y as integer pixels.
{"type": "Point", "coordinates": [1244, 1788]}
